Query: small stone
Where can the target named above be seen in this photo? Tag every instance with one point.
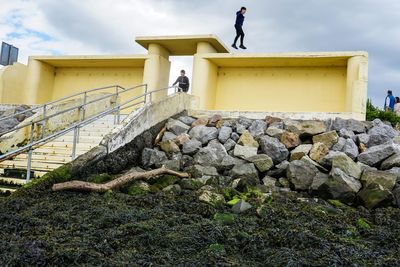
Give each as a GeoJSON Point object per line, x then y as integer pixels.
{"type": "Point", "coordinates": [391, 162]}
{"type": "Point", "coordinates": [187, 120]}
{"type": "Point", "coordinates": [198, 171]}
{"type": "Point", "coordinates": [247, 140]}
{"type": "Point", "coordinates": [244, 170]}
{"type": "Point", "coordinates": [181, 139]}
{"type": "Point", "coordinates": [241, 206]}
{"type": "Point", "coordinates": [381, 134]}
{"type": "Point", "coordinates": [257, 128]}
{"type": "Point", "coordinates": [270, 120]}
{"type": "Point", "coordinates": [245, 121]}
{"type": "Point", "coordinates": [301, 174]}
{"type": "Point", "coordinates": [318, 152]}
{"type": "Point", "coordinates": [173, 164]}
{"type": "Point", "coordinates": [308, 160]}
{"type": "Point", "coordinates": [290, 140]}
{"type": "Point", "coordinates": [327, 160]}
{"type": "Point", "coordinates": [240, 129]}
{"type": "Point", "coordinates": [190, 184]}
{"type": "Point", "coordinates": [224, 134]}
{"type": "Point", "coordinates": [275, 132]}
{"type": "Point", "coordinates": [319, 180]}
{"type": "Point", "coordinates": [200, 121]}
{"type": "Point", "coordinates": [347, 165]}
{"type": "Point", "coordinates": [152, 157]}
{"type": "Point", "coordinates": [244, 152]}
{"type": "Point", "coordinates": [386, 179]}
{"type": "Point", "coordinates": [212, 122]}
{"type": "Point", "coordinates": [212, 198]}
{"type": "Point", "coordinates": [204, 134]}
{"type": "Point", "coordinates": [347, 134]}
{"type": "Point", "coordinates": [206, 156]}
{"type": "Point", "coordinates": [229, 145]}
{"type": "Point", "coordinates": [375, 195]}
{"type": "Point", "coordinates": [262, 162]}
{"type": "Point", "coordinates": [299, 152]}
{"type": "Point", "coordinates": [351, 125]}
{"type": "Point", "coordinates": [376, 154]}
{"type": "Point", "coordinates": [284, 182]}
{"type": "Point", "coordinates": [280, 170]}
{"type": "Point", "coordinates": [273, 148]}
{"type": "Point", "coordinates": [269, 182]}
{"type": "Point", "coordinates": [173, 189]}
{"type": "Point", "coordinates": [218, 149]}
{"type": "Point", "coordinates": [235, 137]}
{"type": "Point", "coordinates": [362, 138]}
{"type": "Point", "coordinates": [169, 147]}
{"type": "Point", "coordinates": [328, 139]}
{"type": "Point", "coordinates": [305, 128]}
{"type": "Point", "coordinates": [168, 136]}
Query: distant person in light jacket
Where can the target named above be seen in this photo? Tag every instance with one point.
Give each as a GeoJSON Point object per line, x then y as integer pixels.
{"type": "Point", "coordinates": [397, 106]}
{"type": "Point", "coordinates": [183, 82]}
{"type": "Point", "coordinates": [239, 28]}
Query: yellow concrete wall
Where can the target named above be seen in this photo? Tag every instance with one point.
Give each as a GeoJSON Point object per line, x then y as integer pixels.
{"type": "Point", "coordinates": [39, 82]}
{"type": "Point", "coordinates": [12, 84]}
{"type": "Point", "coordinates": [69, 81]}
{"type": "Point", "coordinates": [204, 81]}
{"type": "Point", "coordinates": [281, 89]}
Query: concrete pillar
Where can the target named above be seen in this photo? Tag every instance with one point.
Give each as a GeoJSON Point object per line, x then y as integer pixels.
{"type": "Point", "coordinates": [39, 82]}
{"type": "Point", "coordinates": [156, 70]}
{"type": "Point", "coordinates": [357, 86]}
{"type": "Point", "coordinates": [204, 84]}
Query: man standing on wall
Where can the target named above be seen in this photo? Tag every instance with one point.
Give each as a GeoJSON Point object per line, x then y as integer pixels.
{"type": "Point", "coordinates": [389, 101]}
{"type": "Point", "coordinates": [239, 28]}
{"type": "Point", "coordinates": [183, 82]}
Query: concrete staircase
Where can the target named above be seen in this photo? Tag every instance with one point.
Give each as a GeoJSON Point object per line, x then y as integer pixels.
{"type": "Point", "coordinates": [52, 155]}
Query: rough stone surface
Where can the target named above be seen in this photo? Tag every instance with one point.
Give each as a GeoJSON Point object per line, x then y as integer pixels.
{"type": "Point", "coordinates": [391, 162]}
{"type": "Point", "coordinates": [246, 139]}
{"type": "Point", "coordinates": [318, 152]}
{"type": "Point", "coordinates": [198, 171]}
{"type": "Point", "coordinates": [386, 179]}
{"type": "Point", "coordinates": [228, 162]}
{"type": "Point", "coordinates": [350, 149]}
{"type": "Point", "coordinates": [290, 140]}
{"type": "Point", "coordinates": [169, 147]}
{"type": "Point", "coordinates": [270, 120]}
{"type": "Point", "coordinates": [362, 138]}
{"type": "Point", "coordinates": [206, 157]}
{"type": "Point", "coordinates": [269, 182]}
{"type": "Point", "coordinates": [218, 149]}
{"type": "Point", "coordinates": [246, 122]}
{"type": "Point", "coordinates": [327, 160]}
{"type": "Point", "coordinates": [177, 127]}
{"type": "Point", "coordinates": [347, 134]}
{"type": "Point", "coordinates": [204, 134]}
{"type": "Point", "coordinates": [224, 134]}
{"type": "Point", "coordinates": [187, 120]}
{"type": "Point", "coordinates": [279, 170]}
{"type": "Point", "coordinates": [244, 170]}
{"type": "Point", "coordinates": [262, 162]}
{"type": "Point", "coordinates": [258, 128]}
{"type": "Point", "coordinates": [229, 145]}
{"type": "Point", "coordinates": [152, 157]}
{"type": "Point", "coordinates": [301, 174]}
{"type": "Point", "coordinates": [212, 197]}
{"type": "Point", "coordinates": [168, 136]}
{"type": "Point", "coordinates": [308, 160]}
{"type": "Point", "coordinates": [275, 132]}
{"type": "Point", "coordinates": [375, 155]}
{"type": "Point", "coordinates": [340, 186]}
{"type": "Point", "coordinates": [375, 195]}
{"type": "Point", "coordinates": [347, 165]}
{"type": "Point", "coordinates": [273, 148]}
{"type": "Point", "coordinates": [244, 152]}
{"type": "Point", "coordinates": [235, 137]}
{"type": "Point", "coordinates": [200, 121]}
{"type": "Point", "coordinates": [329, 138]}
{"type": "Point", "coordinates": [181, 139]}
{"type": "Point", "coordinates": [241, 206]}
{"type": "Point", "coordinates": [300, 152]}
{"type": "Point", "coordinates": [191, 147]}
{"type": "Point", "coordinates": [212, 122]}
{"type": "Point", "coordinates": [351, 125]}
{"type": "Point", "coordinates": [240, 129]}
{"type": "Point", "coordinates": [305, 128]}
{"type": "Point", "coordinates": [381, 134]}
{"type": "Point", "coordinates": [318, 180]}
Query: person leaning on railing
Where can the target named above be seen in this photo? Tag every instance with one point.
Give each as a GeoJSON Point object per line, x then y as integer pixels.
{"type": "Point", "coordinates": [183, 82]}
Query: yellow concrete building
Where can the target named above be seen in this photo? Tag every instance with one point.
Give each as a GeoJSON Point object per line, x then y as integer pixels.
{"type": "Point", "coordinates": [308, 83]}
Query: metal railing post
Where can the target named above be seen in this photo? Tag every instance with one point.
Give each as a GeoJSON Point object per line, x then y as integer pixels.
{"type": "Point", "coordinates": [44, 122]}
{"type": "Point", "coordinates": [74, 142]}
{"type": "Point", "coordinates": [29, 167]}
{"type": "Point", "coordinates": [145, 94]}
{"type": "Point", "coordinates": [82, 114]}
{"type": "Point", "coordinates": [116, 100]}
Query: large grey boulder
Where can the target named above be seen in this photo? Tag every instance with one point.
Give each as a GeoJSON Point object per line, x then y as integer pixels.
{"type": "Point", "coordinates": [235, 137]}
{"type": "Point", "coordinates": [152, 157]}
{"type": "Point", "coordinates": [376, 154]}
{"type": "Point", "coordinates": [191, 147]}
{"type": "Point", "coordinates": [347, 146]}
{"type": "Point", "coordinates": [206, 156]}
{"type": "Point", "coordinates": [244, 152]}
{"type": "Point", "coordinates": [198, 171]}
{"type": "Point", "coordinates": [380, 134]}
{"type": "Point", "coordinates": [279, 170]}
{"type": "Point", "coordinates": [187, 120]}
{"type": "Point", "coordinates": [327, 160]}
{"type": "Point", "coordinates": [351, 125]}
{"type": "Point", "coordinates": [275, 132]}
{"type": "Point", "coordinates": [228, 162]}
{"type": "Point", "coordinates": [218, 149]}
{"type": "Point", "coordinates": [340, 186]}
{"type": "Point", "coordinates": [347, 165]}
{"type": "Point", "coordinates": [224, 134]}
{"type": "Point", "coordinates": [391, 162]}
{"type": "Point", "coordinates": [301, 174]}
{"type": "Point", "coordinates": [177, 127]}
{"type": "Point", "coordinates": [385, 179]}
{"type": "Point", "coordinates": [347, 134]}
{"type": "Point", "coordinates": [305, 128]}
{"type": "Point", "coordinates": [244, 170]}
{"type": "Point", "coordinates": [203, 133]}
{"type": "Point", "coordinates": [258, 128]}
{"type": "Point", "coordinates": [240, 129]}
{"type": "Point", "coordinates": [273, 148]}
{"type": "Point", "coordinates": [318, 180]}
{"type": "Point", "coordinates": [246, 122]}
{"type": "Point", "coordinates": [262, 162]}
{"type": "Point", "coordinates": [362, 138]}
{"type": "Point", "coordinates": [168, 136]}
{"type": "Point", "coordinates": [328, 138]}
{"type": "Point", "coordinates": [229, 145]}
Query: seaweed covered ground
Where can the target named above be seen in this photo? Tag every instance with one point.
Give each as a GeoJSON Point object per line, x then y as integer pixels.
{"type": "Point", "coordinates": [43, 228]}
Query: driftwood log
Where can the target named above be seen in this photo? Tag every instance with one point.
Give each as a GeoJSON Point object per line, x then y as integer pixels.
{"type": "Point", "coordinates": [117, 183]}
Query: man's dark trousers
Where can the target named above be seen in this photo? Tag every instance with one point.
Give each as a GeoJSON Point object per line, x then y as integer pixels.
{"type": "Point", "coordinates": [239, 33]}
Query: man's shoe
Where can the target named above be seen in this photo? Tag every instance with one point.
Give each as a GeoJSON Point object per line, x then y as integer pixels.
{"type": "Point", "coordinates": [243, 47]}
{"type": "Point", "coordinates": [234, 46]}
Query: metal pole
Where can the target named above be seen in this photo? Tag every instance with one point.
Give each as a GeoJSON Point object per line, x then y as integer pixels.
{"type": "Point", "coordinates": [44, 122]}
{"type": "Point", "coordinates": [74, 143]}
{"type": "Point", "coordinates": [145, 94]}
{"type": "Point", "coordinates": [115, 113]}
{"type": "Point", "coordinates": [82, 113]}
{"type": "Point", "coordinates": [118, 115]}
{"type": "Point", "coordinates": [28, 169]}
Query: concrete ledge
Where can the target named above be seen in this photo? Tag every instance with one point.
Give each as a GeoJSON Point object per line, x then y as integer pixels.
{"type": "Point", "coordinates": [282, 115]}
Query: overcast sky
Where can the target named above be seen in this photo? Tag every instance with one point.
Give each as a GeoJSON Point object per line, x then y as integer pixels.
{"type": "Point", "coordinates": [69, 27]}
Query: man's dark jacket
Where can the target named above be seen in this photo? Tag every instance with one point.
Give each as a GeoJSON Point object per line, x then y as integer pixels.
{"type": "Point", "coordinates": [239, 19]}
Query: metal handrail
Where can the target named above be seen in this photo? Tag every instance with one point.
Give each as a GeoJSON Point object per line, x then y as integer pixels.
{"type": "Point", "coordinates": [77, 107]}
{"type": "Point", "coordinates": [61, 99]}
{"type": "Point", "coordinates": [34, 144]}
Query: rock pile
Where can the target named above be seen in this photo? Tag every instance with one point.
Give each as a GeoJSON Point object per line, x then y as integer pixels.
{"type": "Point", "coordinates": [347, 160]}
{"type": "Point", "coordinates": [12, 122]}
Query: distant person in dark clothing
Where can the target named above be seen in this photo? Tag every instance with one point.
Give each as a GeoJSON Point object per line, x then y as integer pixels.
{"type": "Point", "coordinates": [183, 82]}
{"type": "Point", "coordinates": [239, 29]}
{"type": "Point", "coordinates": [389, 101]}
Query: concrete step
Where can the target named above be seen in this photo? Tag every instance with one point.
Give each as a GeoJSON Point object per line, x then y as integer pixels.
{"type": "Point", "coordinates": [80, 146]}
{"type": "Point", "coordinates": [12, 181]}
{"type": "Point", "coordinates": [44, 158]}
{"type": "Point", "coordinates": [6, 190]}
{"type": "Point", "coordinates": [40, 166]}
{"type": "Point", "coordinates": [82, 139]}
{"type": "Point", "coordinates": [59, 151]}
